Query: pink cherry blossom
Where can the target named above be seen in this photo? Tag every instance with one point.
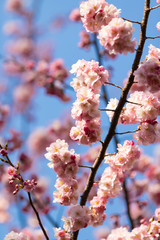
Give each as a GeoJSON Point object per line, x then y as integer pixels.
{"type": "Point", "coordinates": [109, 185]}
{"type": "Point", "coordinates": [140, 233]}
{"type": "Point", "coordinates": [78, 217]}
{"type": "Point", "coordinates": [154, 229]}
{"type": "Point", "coordinates": [119, 234]}
{"type": "Point", "coordinates": [116, 36]}
{"type": "Point", "coordinates": [89, 74]}
{"type": "Point", "coordinates": [148, 74]}
{"type": "Point", "coordinates": [63, 161]}
{"type": "Point", "coordinates": [17, 236]}
{"type": "Point", "coordinates": [148, 133]}
{"type": "Point", "coordinates": [61, 234]}
{"type": "Point", "coordinates": [96, 13]}
{"type": "Point", "coordinates": [67, 192]}
{"type": "Point", "coordinates": [126, 157]}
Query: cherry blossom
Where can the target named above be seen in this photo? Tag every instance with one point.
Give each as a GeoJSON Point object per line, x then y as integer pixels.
{"type": "Point", "coordinates": [116, 37]}
{"type": "Point", "coordinates": [95, 14]}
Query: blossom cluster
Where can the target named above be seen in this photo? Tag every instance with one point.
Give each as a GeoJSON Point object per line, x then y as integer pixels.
{"type": "Point", "coordinates": [112, 177]}
{"type": "Point", "coordinates": [14, 235]}
{"type": "Point", "coordinates": [116, 37]}
{"type": "Point", "coordinates": [95, 14]}
{"type": "Point", "coordinates": [125, 157]}
{"type": "Point", "coordinates": [65, 164]}
{"type": "Point", "coordinates": [148, 72]}
{"type": "Point", "coordinates": [114, 33]}
{"type": "Point", "coordinates": [25, 234]}
{"type": "Point", "coordinates": [146, 231]}
{"type": "Point", "coordinates": [143, 108]}
{"type": "Point", "coordinates": [87, 84]}
{"type": "Point", "coordinates": [17, 182]}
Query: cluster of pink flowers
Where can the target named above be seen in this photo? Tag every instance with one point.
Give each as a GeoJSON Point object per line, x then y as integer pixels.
{"type": "Point", "coordinates": [14, 235]}
{"type": "Point", "coordinates": [87, 84]}
{"type": "Point", "coordinates": [125, 157]}
{"type": "Point", "coordinates": [148, 73]}
{"type": "Point", "coordinates": [65, 164]}
{"type": "Point", "coordinates": [109, 187]}
{"type": "Point", "coordinates": [95, 14]}
{"type": "Point", "coordinates": [158, 1]}
{"type": "Point", "coordinates": [112, 177]}
{"type": "Point", "coordinates": [26, 234]}
{"type": "Point", "coordinates": [146, 231]}
{"type": "Point", "coordinates": [67, 191]}
{"type": "Point", "coordinates": [114, 33]}
{"type": "Point", "coordinates": [118, 233]}
{"type": "Point", "coordinates": [143, 108]}
{"type": "Point", "coordinates": [116, 37]}
{"type": "Point", "coordinates": [148, 133]}
{"type": "Point", "coordinates": [17, 182]}
{"type": "Point", "coordinates": [79, 217]}
{"type": "Point", "coordinates": [61, 234]}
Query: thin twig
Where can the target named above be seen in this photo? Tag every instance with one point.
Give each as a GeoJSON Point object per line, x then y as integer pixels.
{"type": "Point", "coordinates": [102, 109]}
{"type": "Point", "coordinates": [85, 166]}
{"type": "Point", "coordinates": [131, 21]}
{"type": "Point", "coordinates": [154, 7]}
{"type": "Point", "coordinates": [112, 84]}
{"type": "Point", "coordinates": [37, 215]}
{"type": "Point", "coordinates": [153, 37]}
{"type": "Point", "coordinates": [134, 103]}
{"type": "Point", "coordinates": [110, 154]}
{"type": "Point", "coordinates": [101, 142]}
{"type": "Point", "coordinates": [126, 195]}
{"type": "Point", "coordinates": [128, 132]}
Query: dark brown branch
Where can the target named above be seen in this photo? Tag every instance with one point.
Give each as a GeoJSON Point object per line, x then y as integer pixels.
{"type": "Point", "coordinates": [117, 113]}
{"type": "Point", "coordinates": [109, 110]}
{"type": "Point", "coordinates": [50, 219]}
{"type": "Point", "coordinates": [153, 37]}
{"type": "Point", "coordinates": [126, 195]}
{"type": "Point", "coordinates": [37, 215]}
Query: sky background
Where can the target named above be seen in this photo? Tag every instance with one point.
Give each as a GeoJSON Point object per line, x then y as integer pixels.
{"type": "Point", "coordinates": [65, 41]}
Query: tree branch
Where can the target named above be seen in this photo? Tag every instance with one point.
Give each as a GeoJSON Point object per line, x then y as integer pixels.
{"type": "Point", "coordinates": [118, 110]}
